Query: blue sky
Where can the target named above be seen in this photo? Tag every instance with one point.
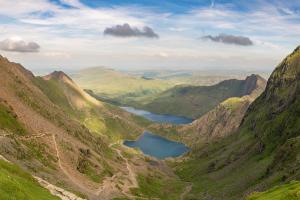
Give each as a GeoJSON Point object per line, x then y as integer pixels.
{"type": "Point", "coordinates": [182, 34]}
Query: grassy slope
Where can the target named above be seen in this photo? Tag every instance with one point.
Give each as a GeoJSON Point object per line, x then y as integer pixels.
{"type": "Point", "coordinates": [263, 153]}
{"type": "Point", "coordinates": [156, 186]}
{"type": "Point", "coordinates": [110, 84]}
{"type": "Point", "coordinates": [17, 184]}
{"type": "Point", "coordinates": [9, 122]}
{"type": "Point", "coordinates": [289, 191]}
{"type": "Point", "coordinates": [194, 101]}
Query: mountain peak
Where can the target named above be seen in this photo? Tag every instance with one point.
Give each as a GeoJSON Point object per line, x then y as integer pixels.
{"type": "Point", "coordinates": [253, 83]}
{"type": "Point", "coordinates": [57, 75]}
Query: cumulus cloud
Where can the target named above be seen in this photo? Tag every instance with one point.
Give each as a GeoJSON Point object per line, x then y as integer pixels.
{"type": "Point", "coordinates": [230, 39]}
{"type": "Point", "coordinates": [126, 30]}
{"type": "Point", "coordinates": [18, 45]}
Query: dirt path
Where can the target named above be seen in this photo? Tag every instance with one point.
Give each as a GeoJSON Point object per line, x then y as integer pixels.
{"type": "Point", "coordinates": [110, 184]}
{"type": "Point", "coordinates": [57, 191]}
{"type": "Point", "coordinates": [70, 177]}
{"type": "Point", "coordinates": [186, 191]}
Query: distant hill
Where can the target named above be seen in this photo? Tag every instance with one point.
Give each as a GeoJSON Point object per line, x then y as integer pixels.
{"type": "Point", "coordinates": [117, 86]}
{"type": "Point", "coordinates": [195, 101]}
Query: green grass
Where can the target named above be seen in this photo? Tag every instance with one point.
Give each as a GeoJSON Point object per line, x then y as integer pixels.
{"type": "Point", "coordinates": [154, 186]}
{"type": "Point", "coordinates": [289, 191]}
{"type": "Point", "coordinates": [8, 121]}
{"type": "Point", "coordinates": [15, 184]}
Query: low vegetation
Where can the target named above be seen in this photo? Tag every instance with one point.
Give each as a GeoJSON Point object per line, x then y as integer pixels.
{"type": "Point", "coordinates": [17, 184]}
{"type": "Point", "coordinates": [153, 186]}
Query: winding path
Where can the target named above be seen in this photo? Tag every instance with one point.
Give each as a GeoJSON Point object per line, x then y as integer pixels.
{"type": "Point", "coordinates": [110, 183]}
{"type": "Point", "coordinates": [186, 191]}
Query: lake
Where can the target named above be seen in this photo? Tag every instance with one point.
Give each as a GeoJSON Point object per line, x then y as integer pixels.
{"type": "Point", "coordinates": [158, 118]}
{"type": "Point", "coordinates": [157, 146]}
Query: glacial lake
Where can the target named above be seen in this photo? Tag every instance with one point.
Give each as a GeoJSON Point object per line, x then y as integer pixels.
{"type": "Point", "coordinates": [157, 146]}
{"type": "Point", "coordinates": [158, 118]}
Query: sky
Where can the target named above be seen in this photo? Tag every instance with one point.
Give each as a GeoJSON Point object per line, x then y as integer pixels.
{"type": "Point", "coordinates": [149, 34]}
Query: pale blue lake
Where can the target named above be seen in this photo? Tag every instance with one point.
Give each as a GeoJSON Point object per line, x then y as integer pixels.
{"type": "Point", "coordinates": [158, 118]}
{"type": "Point", "coordinates": [157, 146]}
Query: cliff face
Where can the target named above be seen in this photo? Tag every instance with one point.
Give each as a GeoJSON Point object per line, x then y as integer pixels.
{"type": "Point", "coordinates": [278, 106]}
{"type": "Point", "coordinates": [225, 118]}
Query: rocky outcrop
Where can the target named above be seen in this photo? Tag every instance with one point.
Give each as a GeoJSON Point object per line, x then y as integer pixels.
{"type": "Point", "coordinates": [224, 119]}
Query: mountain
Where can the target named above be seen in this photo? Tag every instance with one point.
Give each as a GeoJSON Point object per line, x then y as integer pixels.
{"type": "Point", "coordinates": [263, 152]}
{"type": "Point", "coordinates": [118, 87]}
{"type": "Point", "coordinates": [195, 101]}
{"type": "Point", "coordinates": [70, 142]}
{"type": "Point", "coordinates": [220, 122]}
{"type": "Point", "coordinates": [97, 116]}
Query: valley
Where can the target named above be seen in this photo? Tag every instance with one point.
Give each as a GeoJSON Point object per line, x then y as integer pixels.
{"type": "Point", "coordinates": [80, 147]}
{"type": "Point", "coordinates": [149, 100]}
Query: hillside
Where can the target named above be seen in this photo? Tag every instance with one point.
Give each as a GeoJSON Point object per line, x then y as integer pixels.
{"type": "Point", "coordinates": [290, 191]}
{"type": "Point", "coordinates": [55, 131]}
{"type": "Point", "coordinates": [220, 122]}
{"type": "Point", "coordinates": [262, 153]}
{"type": "Point", "coordinates": [99, 117]}
{"type": "Point", "coordinates": [118, 87]}
{"type": "Point", "coordinates": [195, 101]}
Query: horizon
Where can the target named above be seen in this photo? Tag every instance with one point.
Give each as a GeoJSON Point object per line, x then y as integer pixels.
{"type": "Point", "coordinates": [132, 35]}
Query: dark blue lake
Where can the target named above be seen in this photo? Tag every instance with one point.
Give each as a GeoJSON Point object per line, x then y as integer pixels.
{"type": "Point", "coordinates": [157, 146]}
{"type": "Point", "coordinates": [159, 118]}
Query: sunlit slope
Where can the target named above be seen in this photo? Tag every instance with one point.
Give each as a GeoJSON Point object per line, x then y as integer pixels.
{"type": "Point", "coordinates": [289, 191]}
{"type": "Point", "coordinates": [118, 86]}
{"type": "Point", "coordinates": [262, 153]}
{"type": "Point", "coordinates": [101, 118]}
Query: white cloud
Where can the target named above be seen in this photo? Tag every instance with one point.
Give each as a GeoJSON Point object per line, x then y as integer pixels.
{"type": "Point", "coordinates": [77, 34]}
{"type": "Point", "coordinates": [18, 45]}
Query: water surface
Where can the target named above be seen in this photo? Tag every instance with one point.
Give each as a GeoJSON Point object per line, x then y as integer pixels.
{"type": "Point", "coordinates": [157, 146]}
{"type": "Point", "coordinates": [159, 118]}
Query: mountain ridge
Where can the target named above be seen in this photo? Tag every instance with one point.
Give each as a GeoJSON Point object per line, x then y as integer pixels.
{"type": "Point", "coordinates": [195, 101]}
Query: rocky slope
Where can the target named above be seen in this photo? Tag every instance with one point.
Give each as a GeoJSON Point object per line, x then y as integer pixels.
{"type": "Point", "coordinates": [225, 118]}
{"type": "Point", "coordinates": [54, 130]}
{"type": "Point", "coordinates": [195, 101]}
